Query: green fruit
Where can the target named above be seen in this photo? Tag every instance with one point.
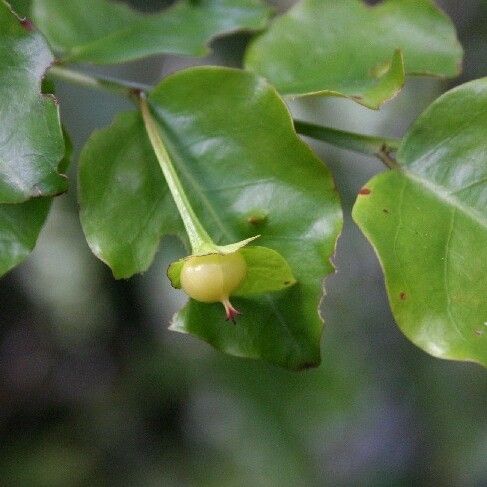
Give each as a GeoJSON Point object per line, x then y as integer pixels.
{"type": "Point", "coordinates": [213, 278]}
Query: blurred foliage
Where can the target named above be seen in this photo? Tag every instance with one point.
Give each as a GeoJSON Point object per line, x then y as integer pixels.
{"type": "Point", "coordinates": [95, 391]}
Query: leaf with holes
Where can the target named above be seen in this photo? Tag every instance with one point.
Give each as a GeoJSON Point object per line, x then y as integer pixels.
{"type": "Point", "coordinates": [427, 220]}
{"type": "Point", "coordinates": [346, 48]}
{"type": "Point", "coordinates": [246, 172]}
{"type": "Point", "coordinates": [104, 32]}
{"type": "Point", "coordinates": [31, 140]}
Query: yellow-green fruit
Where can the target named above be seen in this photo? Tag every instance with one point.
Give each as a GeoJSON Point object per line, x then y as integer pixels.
{"type": "Point", "coordinates": [213, 278]}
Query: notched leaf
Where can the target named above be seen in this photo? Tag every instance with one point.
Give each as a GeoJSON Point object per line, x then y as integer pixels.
{"type": "Point", "coordinates": [346, 48]}
{"type": "Point", "coordinates": [104, 32]}
{"type": "Point", "coordinates": [32, 141]}
{"type": "Point", "coordinates": [238, 152]}
{"type": "Point", "coordinates": [237, 174]}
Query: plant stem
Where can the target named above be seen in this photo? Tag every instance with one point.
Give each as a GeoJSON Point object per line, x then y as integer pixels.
{"type": "Point", "coordinates": [118, 87]}
{"type": "Point", "coordinates": [200, 241]}
{"type": "Point", "coordinates": [380, 147]}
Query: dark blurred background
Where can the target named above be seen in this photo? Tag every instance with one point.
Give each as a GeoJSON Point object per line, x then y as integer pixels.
{"type": "Point", "coordinates": [94, 390]}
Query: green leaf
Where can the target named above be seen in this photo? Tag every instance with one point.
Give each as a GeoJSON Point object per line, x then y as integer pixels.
{"type": "Point", "coordinates": [174, 273]}
{"type": "Point", "coordinates": [31, 140]}
{"type": "Point", "coordinates": [20, 225]}
{"type": "Point", "coordinates": [104, 32]}
{"type": "Point", "coordinates": [245, 171]}
{"type": "Point", "coordinates": [201, 243]}
{"type": "Point", "coordinates": [346, 48]}
{"type": "Point", "coordinates": [267, 271]}
{"type": "Point", "coordinates": [125, 204]}
{"type": "Point", "coordinates": [21, 7]}
{"type": "Point", "coordinates": [428, 223]}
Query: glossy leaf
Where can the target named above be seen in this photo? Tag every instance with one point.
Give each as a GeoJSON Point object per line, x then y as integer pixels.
{"type": "Point", "coordinates": [125, 205]}
{"type": "Point", "coordinates": [20, 225]}
{"type": "Point", "coordinates": [31, 140]}
{"type": "Point", "coordinates": [267, 271]}
{"type": "Point", "coordinates": [427, 220]}
{"type": "Point", "coordinates": [349, 49]}
{"type": "Point", "coordinates": [246, 172]}
{"type": "Point", "coordinates": [103, 32]}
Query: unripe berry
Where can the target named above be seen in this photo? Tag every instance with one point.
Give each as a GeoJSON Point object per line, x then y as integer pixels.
{"type": "Point", "coordinates": [213, 278]}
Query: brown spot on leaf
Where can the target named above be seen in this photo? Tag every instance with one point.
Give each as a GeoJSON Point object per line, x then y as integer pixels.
{"type": "Point", "coordinates": [403, 296]}
{"type": "Point", "coordinates": [385, 210]}
{"type": "Point", "coordinates": [364, 191]}
{"type": "Point", "coordinates": [479, 333]}
{"type": "Point", "coordinates": [27, 24]}
{"type": "Point", "coordinates": [256, 219]}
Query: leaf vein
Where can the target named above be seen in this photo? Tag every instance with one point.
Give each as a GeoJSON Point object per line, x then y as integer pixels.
{"type": "Point", "coordinates": [446, 267]}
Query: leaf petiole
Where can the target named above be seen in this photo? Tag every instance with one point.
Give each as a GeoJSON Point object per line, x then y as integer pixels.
{"type": "Point", "coordinates": [201, 242]}
{"type": "Point", "coordinates": [380, 147]}
{"type": "Point", "coordinates": [119, 87]}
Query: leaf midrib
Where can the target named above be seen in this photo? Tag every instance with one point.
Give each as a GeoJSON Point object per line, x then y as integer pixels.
{"type": "Point", "coordinates": [173, 147]}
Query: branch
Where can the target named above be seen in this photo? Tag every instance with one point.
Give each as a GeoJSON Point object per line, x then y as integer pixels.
{"type": "Point", "coordinates": [381, 147]}
{"type": "Point", "coordinates": [112, 85]}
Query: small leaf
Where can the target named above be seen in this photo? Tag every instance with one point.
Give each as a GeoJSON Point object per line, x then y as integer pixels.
{"type": "Point", "coordinates": [346, 48]}
{"type": "Point", "coordinates": [31, 140]}
{"type": "Point", "coordinates": [428, 223]}
{"type": "Point", "coordinates": [174, 273]}
{"type": "Point", "coordinates": [267, 271]}
{"type": "Point", "coordinates": [104, 32]}
{"type": "Point", "coordinates": [388, 85]}
{"type": "Point", "coordinates": [232, 142]}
